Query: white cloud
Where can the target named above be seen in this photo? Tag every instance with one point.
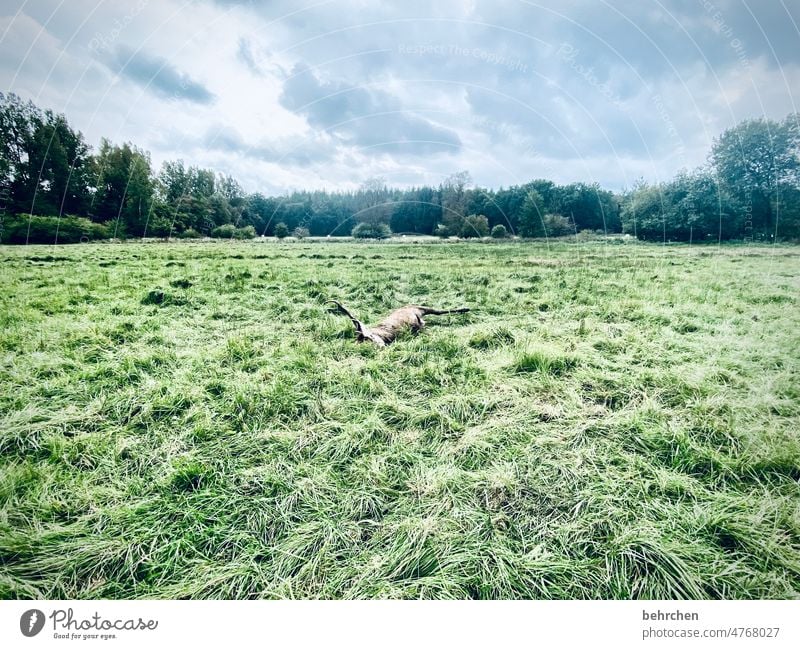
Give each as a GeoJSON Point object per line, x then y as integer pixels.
{"type": "Point", "coordinates": [644, 93]}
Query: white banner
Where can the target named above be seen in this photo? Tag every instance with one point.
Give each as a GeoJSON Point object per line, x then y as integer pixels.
{"type": "Point", "coordinates": [398, 624]}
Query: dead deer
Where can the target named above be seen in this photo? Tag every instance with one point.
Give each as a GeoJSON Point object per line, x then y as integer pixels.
{"type": "Point", "coordinates": [387, 330]}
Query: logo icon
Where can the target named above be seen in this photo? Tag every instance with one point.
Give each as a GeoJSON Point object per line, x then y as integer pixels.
{"type": "Point", "coordinates": [31, 622]}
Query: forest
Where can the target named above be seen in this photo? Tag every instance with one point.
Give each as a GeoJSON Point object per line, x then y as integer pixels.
{"type": "Point", "coordinates": [55, 188]}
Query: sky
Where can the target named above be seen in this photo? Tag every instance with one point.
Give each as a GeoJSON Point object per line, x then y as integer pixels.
{"type": "Point", "coordinates": [309, 94]}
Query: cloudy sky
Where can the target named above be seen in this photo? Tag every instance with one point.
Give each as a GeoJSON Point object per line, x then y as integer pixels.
{"type": "Point", "coordinates": [327, 93]}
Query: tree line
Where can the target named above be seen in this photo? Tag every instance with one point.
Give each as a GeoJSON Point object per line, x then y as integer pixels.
{"type": "Point", "coordinates": [53, 184]}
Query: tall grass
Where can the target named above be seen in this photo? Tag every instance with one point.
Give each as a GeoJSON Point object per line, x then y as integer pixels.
{"type": "Point", "coordinates": [189, 420]}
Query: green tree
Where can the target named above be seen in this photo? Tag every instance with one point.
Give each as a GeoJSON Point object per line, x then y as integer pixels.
{"type": "Point", "coordinates": [643, 213]}
{"type": "Point", "coordinates": [202, 182]}
{"type": "Point", "coordinates": [260, 212]}
{"type": "Point", "coordinates": [281, 231]}
{"type": "Point", "coordinates": [371, 231]}
{"type": "Point", "coordinates": [701, 210]}
{"type": "Point", "coordinates": [557, 225]}
{"type": "Point", "coordinates": [16, 141]}
{"type": "Point", "coordinates": [531, 217]}
{"type": "Point", "coordinates": [474, 226]}
{"type": "Point", "coordinates": [589, 206]}
{"type": "Point", "coordinates": [59, 159]}
{"type": "Point", "coordinates": [44, 164]}
{"type": "Point", "coordinates": [787, 212]}
{"type": "Point", "coordinates": [509, 203]}
{"type": "Point", "coordinates": [752, 160]}
{"type": "Point", "coordinates": [174, 182]}
{"type": "Point", "coordinates": [454, 199]}
{"type": "Point", "coordinates": [499, 232]}
{"type": "Point", "coordinates": [230, 188]}
{"type": "Point", "coordinates": [691, 207]}
{"type": "Point", "coordinates": [417, 210]}
{"type": "Point", "coordinates": [219, 210]}
{"type": "Point", "coordinates": [373, 205]}
{"type": "Point", "coordinates": [192, 195]}
{"type": "Point", "coordinates": [124, 188]}
{"type": "Point", "coordinates": [547, 189]}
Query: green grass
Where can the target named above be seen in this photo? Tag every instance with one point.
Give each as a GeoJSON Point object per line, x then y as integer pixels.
{"type": "Point", "coordinates": [188, 420]}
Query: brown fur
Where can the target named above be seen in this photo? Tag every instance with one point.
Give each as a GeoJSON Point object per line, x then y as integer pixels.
{"type": "Point", "coordinates": [387, 330]}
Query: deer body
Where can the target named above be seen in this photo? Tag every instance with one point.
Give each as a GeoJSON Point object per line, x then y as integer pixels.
{"type": "Point", "coordinates": [387, 330]}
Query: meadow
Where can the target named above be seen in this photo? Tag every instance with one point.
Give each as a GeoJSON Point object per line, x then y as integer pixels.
{"type": "Point", "coordinates": [188, 420]}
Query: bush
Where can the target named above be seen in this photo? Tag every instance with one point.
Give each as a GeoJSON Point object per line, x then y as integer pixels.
{"type": "Point", "coordinates": [190, 233]}
{"type": "Point", "coordinates": [442, 231]}
{"type": "Point", "coordinates": [281, 231]}
{"type": "Point", "coordinates": [301, 233]}
{"type": "Point", "coordinates": [557, 225]}
{"type": "Point", "coordinates": [499, 232]}
{"type": "Point", "coordinates": [247, 232]}
{"type": "Point", "coordinates": [224, 231]}
{"type": "Point", "coordinates": [371, 231]}
{"type": "Point", "coordinates": [52, 229]}
{"type": "Point", "coordinates": [475, 225]}
{"type": "Point", "coordinates": [586, 235]}
{"type": "Point", "coordinates": [230, 231]}
{"type": "Point", "coordinates": [159, 227]}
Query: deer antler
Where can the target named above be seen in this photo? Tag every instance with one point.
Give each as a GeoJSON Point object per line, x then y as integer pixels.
{"type": "Point", "coordinates": [356, 322]}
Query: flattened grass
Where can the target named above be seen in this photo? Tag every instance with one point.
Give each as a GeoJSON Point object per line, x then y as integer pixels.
{"type": "Point", "coordinates": [189, 420]}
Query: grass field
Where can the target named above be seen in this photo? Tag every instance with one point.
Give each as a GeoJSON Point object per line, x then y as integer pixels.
{"type": "Point", "coordinates": [188, 420]}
